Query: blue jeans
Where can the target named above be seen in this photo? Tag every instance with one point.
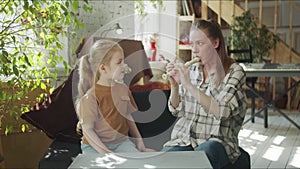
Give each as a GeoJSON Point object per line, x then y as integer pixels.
{"type": "Point", "coordinates": [214, 150]}
{"type": "Point", "coordinates": [125, 146]}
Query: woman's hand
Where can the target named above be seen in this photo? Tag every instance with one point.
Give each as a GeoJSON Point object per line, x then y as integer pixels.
{"type": "Point", "coordinates": [183, 74]}
{"type": "Point", "coordinates": [173, 75]}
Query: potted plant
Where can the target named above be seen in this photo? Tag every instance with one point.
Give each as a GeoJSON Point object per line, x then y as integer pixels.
{"type": "Point", "coordinates": [245, 32]}
{"type": "Point", "coordinates": [140, 6]}
{"type": "Point", "coordinates": [30, 34]}
{"type": "Point", "coordinates": [30, 41]}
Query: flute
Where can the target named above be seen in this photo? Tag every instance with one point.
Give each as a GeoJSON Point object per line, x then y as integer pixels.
{"type": "Point", "coordinates": [128, 70]}
{"type": "Point", "coordinates": [187, 64]}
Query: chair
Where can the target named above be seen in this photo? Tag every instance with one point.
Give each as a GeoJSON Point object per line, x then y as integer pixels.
{"type": "Point", "coordinates": [245, 56]}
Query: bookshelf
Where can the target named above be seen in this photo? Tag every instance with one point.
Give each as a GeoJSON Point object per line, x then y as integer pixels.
{"type": "Point", "coordinates": [186, 16]}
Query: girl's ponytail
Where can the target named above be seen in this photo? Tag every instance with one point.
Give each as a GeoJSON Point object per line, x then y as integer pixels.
{"type": "Point", "coordinates": [85, 76]}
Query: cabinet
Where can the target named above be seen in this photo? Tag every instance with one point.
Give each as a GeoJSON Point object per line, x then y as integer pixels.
{"type": "Point", "coordinates": [184, 23]}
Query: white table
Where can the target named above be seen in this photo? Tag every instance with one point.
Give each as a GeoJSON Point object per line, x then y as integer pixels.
{"type": "Point", "coordinates": [272, 70]}
{"type": "Point", "coordinates": [178, 159]}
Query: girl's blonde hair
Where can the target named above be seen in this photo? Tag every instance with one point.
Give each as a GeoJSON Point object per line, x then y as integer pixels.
{"type": "Point", "coordinates": [100, 53]}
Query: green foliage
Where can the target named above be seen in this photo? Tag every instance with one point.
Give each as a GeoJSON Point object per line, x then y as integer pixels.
{"type": "Point", "coordinates": [246, 32]}
{"type": "Point", "coordinates": [140, 6]}
{"type": "Point", "coordinates": [30, 33]}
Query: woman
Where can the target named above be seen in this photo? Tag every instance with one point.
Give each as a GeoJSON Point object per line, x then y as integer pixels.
{"type": "Point", "coordinates": [208, 98]}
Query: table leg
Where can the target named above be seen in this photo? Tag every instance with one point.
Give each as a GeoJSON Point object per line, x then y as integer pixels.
{"type": "Point", "coordinates": [253, 109]}
{"type": "Point", "coordinates": [271, 103]}
{"type": "Point", "coordinates": [253, 80]}
{"type": "Point", "coordinates": [259, 111]}
{"type": "Point", "coordinates": [266, 116]}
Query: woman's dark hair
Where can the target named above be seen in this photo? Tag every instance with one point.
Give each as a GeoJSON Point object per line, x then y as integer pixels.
{"type": "Point", "coordinates": [213, 31]}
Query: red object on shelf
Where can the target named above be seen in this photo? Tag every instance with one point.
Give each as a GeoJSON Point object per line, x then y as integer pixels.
{"type": "Point", "coordinates": [153, 45]}
{"type": "Point", "coordinates": [153, 48]}
{"type": "Point", "coordinates": [184, 43]}
{"type": "Point", "coordinates": [150, 86]}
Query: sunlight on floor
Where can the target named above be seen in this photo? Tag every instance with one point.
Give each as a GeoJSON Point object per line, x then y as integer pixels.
{"type": "Point", "coordinates": [245, 133]}
{"type": "Point", "coordinates": [273, 153]}
{"type": "Point", "coordinates": [295, 161]}
{"type": "Point", "coordinates": [253, 135]}
{"type": "Point", "coordinates": [278, 140]}
{"type": "Point", "coordinates": [258, 137]}
{"type": "Point", "coordinates": [251, 150]}
{"type": "Point", "coordinates": [276, 146]}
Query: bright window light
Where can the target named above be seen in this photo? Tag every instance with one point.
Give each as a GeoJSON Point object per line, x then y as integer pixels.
{"type": "Point", "coordinates": [258, 137]}
{"type": "Point", "coordinates": [278, 140]}
{"type": "Point", "coordinates": [245, 133]}
{"type": "Point", "coordinates": [273, 153]}
{"type": "Point", "coordinates": [295, 162]}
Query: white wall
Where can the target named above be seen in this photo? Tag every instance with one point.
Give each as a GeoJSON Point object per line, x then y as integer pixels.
{"type": "Point", "coordinates": [163, 23]}
{"type": "Point", "coordinates": [168, 30]}
{"type": "Point", "coordinates": [106, 13]}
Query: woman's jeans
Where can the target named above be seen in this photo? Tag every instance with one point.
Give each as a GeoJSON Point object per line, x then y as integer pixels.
{"type": "Point", "coordinates": [214, 150]}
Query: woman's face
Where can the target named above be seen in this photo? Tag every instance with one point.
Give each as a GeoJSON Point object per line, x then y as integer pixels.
{"type": "Point", "coordinates": [203, 47]}
{"type": "Point", "coordinates": [116, 68]}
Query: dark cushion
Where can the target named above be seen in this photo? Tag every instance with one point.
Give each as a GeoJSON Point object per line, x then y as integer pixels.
{"type": "Point", "coordinates": [57, 118]}
{"type": "Point", "coordinates": [60, 154]}
{"type": "Point", "coordinates": [154, 120]}
{"type": "Point", "coordinates": [243, 162]}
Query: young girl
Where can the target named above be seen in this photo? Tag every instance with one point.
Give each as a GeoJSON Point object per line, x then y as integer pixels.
{"type": "Point", "coordinates": [104, 106]}
{"type": "Point", "coordinates": [209, 99]}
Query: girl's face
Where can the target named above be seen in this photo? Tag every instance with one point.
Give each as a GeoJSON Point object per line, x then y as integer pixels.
{"type": "Point", "coordinates": [116, 66]}
{"type": "Point", "coordinates": [203, 47]}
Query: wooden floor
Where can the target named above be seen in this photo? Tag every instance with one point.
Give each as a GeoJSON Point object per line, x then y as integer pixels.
{"type": "Point", "coordinates": [277, 146]}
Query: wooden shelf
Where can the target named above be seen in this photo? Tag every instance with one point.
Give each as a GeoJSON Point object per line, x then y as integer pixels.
{"type": "Point", "coordinates": [186, 18]}
{"type": "Point", "coordinates": [184, 47]}
{"type": "Point", "coordinates": [184, 23]}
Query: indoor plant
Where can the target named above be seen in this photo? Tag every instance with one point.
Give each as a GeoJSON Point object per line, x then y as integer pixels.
{"type": "Point", "coordinates": [30, 34]}
{"type": "Point", "coordinates": [140, 6]}
{"type": "Point", "coordinates": [245, 32]}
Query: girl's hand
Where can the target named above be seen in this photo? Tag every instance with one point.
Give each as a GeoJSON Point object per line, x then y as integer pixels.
{"type": "Point", "coordinates": [141, 147]}
{"type": "Point", "coordinates": [148, 150]}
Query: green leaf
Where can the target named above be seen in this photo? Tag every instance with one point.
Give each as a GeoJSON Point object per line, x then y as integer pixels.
{"type": "Point", "coordinates": [16, 70]}
{"type": "Point", "coordinates": [26, 59]}
{"type": "Point", "coordinates": [42, 35]}
{"type": "Point", "coordinates": [8, 128]}
{"type": "Point", "coordinates": [26, 5]}
{"type": "Point", "coordinates": [75, 5]}
{"type": "Point", "coordinates": [23, 128]}
{"type": "Point", "coordinates": [43, 86]}
{"type": "Point", "coordinates": [4, 57]}
{"type": "Point", "coordinates": [2, 44]}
